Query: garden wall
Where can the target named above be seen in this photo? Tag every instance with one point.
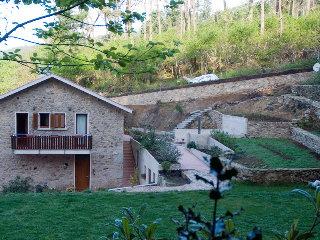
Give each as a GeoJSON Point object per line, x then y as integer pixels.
{"type": "Point", "coordinates": [245, 85]}
{"type": "Point", "coordinates": [307, 139]}
{"type": "Point", "coordinates": [146, 164]}
{"type": "Point", "coordinates": [269, 129]}
{"type": "Point", "coordinates": [277, 175]}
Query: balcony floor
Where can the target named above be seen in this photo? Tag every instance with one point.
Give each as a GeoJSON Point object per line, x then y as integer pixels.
{"type": "Point", "coordinates": [51, 152]}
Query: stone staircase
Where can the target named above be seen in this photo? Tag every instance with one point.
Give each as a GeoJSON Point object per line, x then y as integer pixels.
{"type": "Point", "coordinates": [191, 118]}
{"type": "Point", "coordinates": [128, 163]}
{"type": "Point", "coordinates": [303, 99]}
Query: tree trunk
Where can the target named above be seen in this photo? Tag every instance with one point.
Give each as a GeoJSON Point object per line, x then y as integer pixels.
{"type": "Point", "coordinates": [280, 16]}
{"type": "Point", "coordinates": [194, 15]}
{"type": "Point", "coordinates": [128, 24]}
{"type": "Point", "coordinates": [182, 21]}
{"type": "Point", "coordinates": [188, 17]}
{"type": "Point", "coordinates": [150, 20]}
{"type": "Point", "coordinates": [145, 21]}
{"type": "Point", "coordinates": [159, 17]}
{"type": "Point", "coordinates": [224, 5]}
{"type": "Point", "coordinates": [293, 8]}
{"type": "Point", "coordinates": [308, 6]}
{"type": "Point", "coordinates": [262, 18]}
{"type": "Point", "coordinates": [250, 16]}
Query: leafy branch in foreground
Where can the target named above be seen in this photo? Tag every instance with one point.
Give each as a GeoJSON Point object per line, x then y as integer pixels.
{"type": "Point", "coordinates": [64, 38]}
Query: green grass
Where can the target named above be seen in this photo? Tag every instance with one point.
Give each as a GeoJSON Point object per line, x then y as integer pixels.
{"type": "Point", "coordinates": [278, 153]}
{"type": "Point", "coordinates": [86, 215]}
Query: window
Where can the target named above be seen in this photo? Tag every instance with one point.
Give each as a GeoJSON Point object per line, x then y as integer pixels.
{"type": "Point", "coordinates": [44, 119]}
{"type": "Point", "coordinates": [51, 120]}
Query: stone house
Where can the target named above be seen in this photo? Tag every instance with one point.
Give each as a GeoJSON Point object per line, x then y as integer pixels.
{"type": "Point", "coordinates": [61, 135]}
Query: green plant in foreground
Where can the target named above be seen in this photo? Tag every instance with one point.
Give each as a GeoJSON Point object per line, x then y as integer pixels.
{"type": "Point", "coordinates": [225, 139]}
{"type": "Point", "coordinates": [130, 226]}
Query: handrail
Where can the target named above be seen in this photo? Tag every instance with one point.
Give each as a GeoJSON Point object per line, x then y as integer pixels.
{"type": "Point", "coordinates": [51, 142]}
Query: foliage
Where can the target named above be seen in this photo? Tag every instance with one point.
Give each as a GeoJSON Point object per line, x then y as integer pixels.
{"type": "Point", "coordinates": [192, 144]}
{"type": "Point", "coordinates": [225, 139]}
{"type": "Point", "coordinates": [178, 108]}
{"type": "Point", "coordinates": [134, 178]}
{"type": "Point", "coordinates": [213, 151]}
{"type": "Point", "coordinates": [159, 146]}
{"type": "Point", "coordinates": [18, 185]}
{"type": "Point", "coordinates": [314, 80]}
{"type": "Point", "coordinates": [310, 122]}
{"type": "Point", "coordinates": [130, 226]}
{"type": "Point", "coordinates": [166, 165]}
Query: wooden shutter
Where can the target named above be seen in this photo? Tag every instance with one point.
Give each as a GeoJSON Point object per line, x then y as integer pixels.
{"type": "Point", "coordinates": [51, 120]}
{"type": "Point", "coordinates": [35, 121]}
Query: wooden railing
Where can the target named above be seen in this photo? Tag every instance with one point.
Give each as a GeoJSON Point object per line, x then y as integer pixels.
{"type": "Point", "coordinates": [32, 142]}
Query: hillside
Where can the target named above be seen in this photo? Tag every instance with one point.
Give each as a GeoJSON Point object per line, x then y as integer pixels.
{"type": "Point", "coordinates": [229, 45]}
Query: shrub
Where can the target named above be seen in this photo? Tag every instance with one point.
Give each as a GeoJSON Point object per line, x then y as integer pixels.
{"type": "Point", "coordinates": [159, 146]}
{"type": "Point", "coordinates": [314, 80]}
{"type": "Point", "coordinates": [18, 185]}
{"type": "Point", "coordinates": [192, 144]}
{"type": "Point", "coordinates": [166, 165]}
{"type": "Point", "coordinates": [178, 108]}
{"type": "Point", "coordinates": [310, 122]}
{"type": "Point", "coordinates": [225, 139]}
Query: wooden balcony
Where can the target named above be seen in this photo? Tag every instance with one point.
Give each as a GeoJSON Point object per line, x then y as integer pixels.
{"type": "Point", "coordinates": [31, 144]}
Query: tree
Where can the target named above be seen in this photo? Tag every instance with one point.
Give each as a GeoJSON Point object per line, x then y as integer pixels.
{"type": "Point", "coordinates": [262, 18]}
{"type": "Point", "coordinates": [64, 37]}
{"type": "Point", "coordinates": [250, 17]}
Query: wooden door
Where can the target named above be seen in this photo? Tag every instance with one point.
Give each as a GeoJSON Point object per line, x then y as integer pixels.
{"type": "Point", "coordinates": [82, 172]}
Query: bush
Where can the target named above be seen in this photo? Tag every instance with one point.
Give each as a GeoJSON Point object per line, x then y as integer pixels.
{"type": "Point", "coordinates": [192, 144]}
{"type": "Point", "coordinates": [159, 146]}
{"type": "Point", "coordinates": [18, 185]}
{"type": "Point", "coordinates": [178, 108]}
{"type": "Point", "coordinates": [225, 139]}
{"type": "Point", "coordinates": [314, 80]}
{"type": "Point", "coordinates": [310, 122]}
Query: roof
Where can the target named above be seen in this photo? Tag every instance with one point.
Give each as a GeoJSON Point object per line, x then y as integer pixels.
{"type": "Point", "coordinates": [71, 84]}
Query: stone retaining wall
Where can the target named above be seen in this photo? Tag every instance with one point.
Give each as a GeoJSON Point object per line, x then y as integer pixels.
{"type": "Point", "coordinates": [308, 91]}
{"type": "Point", "coordinates": [269, 129]}
{"type": "Point", "coordinates": [264, 84]}
{"type": "Point", "coordinates": [278, 175]}
{"type": "Point", "coordinates": [307, 139]}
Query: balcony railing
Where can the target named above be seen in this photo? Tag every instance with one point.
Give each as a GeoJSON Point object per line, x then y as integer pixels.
{"type": "Point", "coordinates": [32, 142]}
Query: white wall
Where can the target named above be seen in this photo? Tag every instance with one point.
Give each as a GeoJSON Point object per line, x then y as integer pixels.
{"type": "Point", "coordinates": [233, 125]}
{"type": "Point", "coordinates": [145, 162]}
{"type": "Point", "coordinates": [183, 135]}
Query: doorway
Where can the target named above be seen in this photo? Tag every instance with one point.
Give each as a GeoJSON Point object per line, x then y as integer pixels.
{"type": "Point", "coordinates": [22, 127]}
{"type": "Point", "coordinates": [82, 172]}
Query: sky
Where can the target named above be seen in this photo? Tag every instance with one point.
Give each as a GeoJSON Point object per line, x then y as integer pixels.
{"type": "Point", "coordinates": [9, 14]}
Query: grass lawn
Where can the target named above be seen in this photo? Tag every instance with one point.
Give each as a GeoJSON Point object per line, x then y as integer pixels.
{"type": "Point", "coordinates": [276, 153]}
{"type": "Point", "coordinates": [86, 215]}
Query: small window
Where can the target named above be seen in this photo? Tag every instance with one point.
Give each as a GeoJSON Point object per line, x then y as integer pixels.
{"type": "Point", "coordinates": [44, 120]}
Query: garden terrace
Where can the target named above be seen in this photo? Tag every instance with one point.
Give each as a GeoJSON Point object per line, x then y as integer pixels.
{"type": "Point", "coordinates": [274, 153]}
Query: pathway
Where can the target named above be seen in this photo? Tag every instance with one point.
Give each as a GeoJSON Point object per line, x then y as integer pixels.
{"type": "Point", "coordinates": [190, 162]}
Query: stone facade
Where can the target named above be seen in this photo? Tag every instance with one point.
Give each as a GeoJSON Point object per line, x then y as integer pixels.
{"type": "Point", "coordinates": [57, 171]}
{"type": "Point", "coordinates": [269, 129]}
{"type": "Point", "coordinates": [222, 87]}
{"type": "Point", "coordinates": [307, 139]}
{"type": "Point", "coordinates": [308, 91]}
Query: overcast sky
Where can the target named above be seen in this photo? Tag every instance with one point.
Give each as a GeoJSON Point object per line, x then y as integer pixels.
{"type": "Point", "coordinates": [9, 13]}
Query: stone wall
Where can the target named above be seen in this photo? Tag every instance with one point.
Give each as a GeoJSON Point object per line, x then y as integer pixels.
{"type": "Point", "coordinates": [57, 171]}
{"type": "Point", "coordinates": [307, 139]}
{"type": "Point", "coordinates": [308, 91]}
{"type": "Point", "coordinates": [269, 129]}
{"type": "Point", "coordinates": [279, 175]}
{"type": "Point", "coordinates": [222, 87]}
